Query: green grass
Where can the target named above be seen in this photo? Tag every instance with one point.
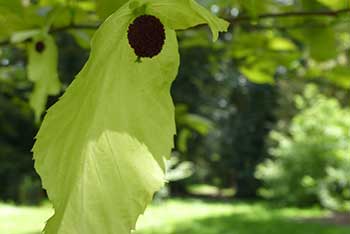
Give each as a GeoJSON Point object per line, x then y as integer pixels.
{"type": "Point", "coordinates": [23, 220]}
{"type": "Point", "coordinates": [193, 217]}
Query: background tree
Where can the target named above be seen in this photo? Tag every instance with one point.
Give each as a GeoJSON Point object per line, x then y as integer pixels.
{"type": "Point", "coordinates": [242, 85]}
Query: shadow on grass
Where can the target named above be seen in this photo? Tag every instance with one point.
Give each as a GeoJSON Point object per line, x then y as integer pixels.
{"type": "Point", "coordinates": [338, 218]}
{"type": "Point", "coordinates": [242, 224]}
{"type": "Point", "coordinates": [241, 217]}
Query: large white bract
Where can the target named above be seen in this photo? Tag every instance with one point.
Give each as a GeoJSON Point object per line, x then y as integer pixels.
{"type": "Point", "coordinates": [100, 151]}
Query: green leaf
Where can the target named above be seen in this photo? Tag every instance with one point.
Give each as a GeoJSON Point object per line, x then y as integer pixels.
{"type": "Point", "coordinates": [259, 70]}
{"type": "Point", "coordinates": [183, 136]}
{"type": "Point", "coordinates": [319, 39]}
{"type": "Point", "coordinates": [335, 4]}
{"type": "Point", "coordinates": [253, 7]}
{"type": "Point", "coordinates": [21, 36]}
{"type": "Point", "coordinates": [101, 148]}
{"type": "Point", "coordinates": [198, 123]}
{"type": "Point", "coordinates": [42, 70]}
{"type": "Point", "coordinates": [105, 8]}
{"type": "Point", "coordinates": [183, 14]}
{"type": "Point", "coordinates": [195, 122]}
{"type": "Point", "coordinates": [257, 74]}
{"type": "Point", "coordinates": [53, 2]}
{"type": "Point", "coordinates": [340, 75]}
{"type": "Point", "coordinates": [82, 37]}
{"type": "Point", "coordinates": [281, 44]}
{"type": "Point", "coordinates": [13, 5]}
{"type": "Point", "coordinates": [311, 5]}
{"type": "Point", "coordinates": [14, 17]}
{"type": "Point", "coordinates": [10, 17]}
{"type": "Point", "coordinates": [60, 16]}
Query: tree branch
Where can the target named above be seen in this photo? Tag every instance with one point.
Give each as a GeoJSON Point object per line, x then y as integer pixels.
{"type": "Point", "coordinates": [75, 26]}
{"type": "Point", "coordinates": [291, 14]}
{"type": "Point", "coordinates": [233, 21]}
{"type": "Point", "coordinates": [61, 29]}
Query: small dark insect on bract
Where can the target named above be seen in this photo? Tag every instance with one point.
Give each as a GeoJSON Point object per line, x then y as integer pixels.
{"type": "Point", "coordinates": [146, 36]}
{"type": "Point", "coordinates": [40, 46]}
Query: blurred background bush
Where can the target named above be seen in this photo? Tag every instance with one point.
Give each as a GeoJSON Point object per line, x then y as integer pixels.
{"type": "Point", "coordinates": [310, 161]}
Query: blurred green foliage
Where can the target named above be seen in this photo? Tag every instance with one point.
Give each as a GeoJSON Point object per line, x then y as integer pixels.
{"type": "Point", "coordinates": [16, 125]}
{"type": "Point", "coordinates": [18, 179]}
{"type": "Point", "coordinates": [229, 95]}
{"type": "Point", "coordinates": [311, 163]}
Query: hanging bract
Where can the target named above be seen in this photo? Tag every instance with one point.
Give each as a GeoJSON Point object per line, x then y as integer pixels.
{"type": "Point", "coordinates": [101, 148]}
{"type": "Point", "coordinates": [42, 71]}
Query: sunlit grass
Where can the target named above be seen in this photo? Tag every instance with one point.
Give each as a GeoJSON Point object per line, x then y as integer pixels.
{"type": "Point", "coordinates": [23, 220]}
{"type": "Point", "coordinates": [209, 190]}
{"type": "Point", "coordinates": [192, 216]}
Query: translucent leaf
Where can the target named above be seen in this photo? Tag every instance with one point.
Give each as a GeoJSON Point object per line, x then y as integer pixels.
{"type": "Point", "coordinates": [260, 73]}
{"type": "Point", "coordinates": [14, 17]}
{"type": "Point", "coordinates": [13, 5]}
{"type": "Point", "coordinates": [335, 4]}
{"type": "Point", "coordinates": [82, 37]}
{"type": "Point", "coordinates": [24, 35]}
{"type": "Point", "coordinates": [53, 2]}
{"type": "Point", "coordinates": [10, 17]}
{"type": "Point", "coordinates": [200, 124]}
{"type": "Point", "coordinates": [311, 4]}
{"type": "Point", "coordinates": [105, 8]}
{"type": "Point", "coordinates": [316, 40]}
{"type": "Point", "coordinates": [101, 148]}
{"type": "Point", "coordinates": [60, 16]}
{"type": "Point", "coordinates": [183, 136]}
{"type": "Point", "coordinates": [340, 75]}
{"type": "Point", "coordinates": [42, 70]}
{"type": "Point", "coordinates": [195, 122]}
{"type": "Point", "coordinates": [253, 7]}
{"type": "Point", "coordinates": [182, 14]}
{"type": "Point", "coordinates": [281, 44]}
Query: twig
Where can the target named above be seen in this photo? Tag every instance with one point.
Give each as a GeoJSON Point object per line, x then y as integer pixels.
{"type": "Point", "coordinates": [75, 26]}
{"type": "Point", "coordinates": [60, 29]}
{"type": "Point", "coordinates": [236, 20]}
{"type": "Point", "coordinates": [291, 14]}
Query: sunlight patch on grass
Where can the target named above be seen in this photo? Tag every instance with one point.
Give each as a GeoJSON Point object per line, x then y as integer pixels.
{"type": "Point", "coordinates": [23, 220]}
{"type": "Point", "coordinates": [177, 211]}
{"type": "Point", "coordinates": [209, 190]}
{"type": "Point", "coordinates": [192, 216]}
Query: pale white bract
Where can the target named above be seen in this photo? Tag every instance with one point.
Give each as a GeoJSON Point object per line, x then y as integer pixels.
{"type": "Point", "coordinates": [100, 151]}
{"type": "Point", "coordinates": [42, 71]}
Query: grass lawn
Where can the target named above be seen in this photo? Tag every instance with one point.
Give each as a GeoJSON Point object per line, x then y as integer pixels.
{"type": "Point", "coordinates": [192, 217]}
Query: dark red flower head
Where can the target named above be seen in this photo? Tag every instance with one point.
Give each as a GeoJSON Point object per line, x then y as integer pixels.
{"type": "Point", "coordinates": [146, 36]}
{"type": "Point", "coordinates": [40, 46]}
